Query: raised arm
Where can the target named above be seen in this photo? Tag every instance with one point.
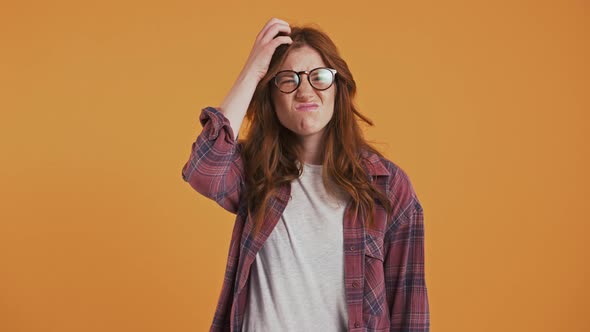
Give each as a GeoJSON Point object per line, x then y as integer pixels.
{"type": "Point", "coordinates": [215, 167]}
{"type": "Point", "coordinates": [235, 104]}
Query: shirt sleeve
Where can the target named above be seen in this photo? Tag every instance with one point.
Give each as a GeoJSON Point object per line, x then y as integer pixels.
{"type": "Point", "coordinates": [215, 167]}
{"type": "Point", "coordinates": [405, 284]}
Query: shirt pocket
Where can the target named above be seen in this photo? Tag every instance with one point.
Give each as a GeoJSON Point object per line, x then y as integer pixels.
{"type": "Point", "coordinates": [374, 289]}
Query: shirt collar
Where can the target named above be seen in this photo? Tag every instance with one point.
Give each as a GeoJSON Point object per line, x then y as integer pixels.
{"type": "Point", "coordinates": [374, 164]}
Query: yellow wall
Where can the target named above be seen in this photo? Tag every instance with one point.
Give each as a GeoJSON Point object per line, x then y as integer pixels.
{"type": "Point", "coordinates": [484, 104]}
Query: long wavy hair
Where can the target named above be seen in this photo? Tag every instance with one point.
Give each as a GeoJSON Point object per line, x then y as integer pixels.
{"type": "Point", "coordinates": [272, 152]}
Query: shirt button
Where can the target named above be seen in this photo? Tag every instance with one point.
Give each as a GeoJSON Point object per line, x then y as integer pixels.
{"type": "Point", "coordinates": [355, 284]}
{"type": "Point", "coordinates": [351, 248]}
{"type": "Point", "coordinates": [356, 324]}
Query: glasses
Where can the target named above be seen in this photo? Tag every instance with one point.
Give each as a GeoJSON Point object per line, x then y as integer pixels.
{"type": "Point", "coordinates": [319, 78]}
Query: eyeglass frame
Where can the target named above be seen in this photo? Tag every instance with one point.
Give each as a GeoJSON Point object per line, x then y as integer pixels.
{"type": "Point", "coordinates": [299, 73]}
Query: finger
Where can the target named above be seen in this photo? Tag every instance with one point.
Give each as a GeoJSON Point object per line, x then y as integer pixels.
{"type": "Point", "coordinates": [268, 25]}
{"type": "Point", "coordinates": [279, 41]}
{"type": "Point", "coordinates": [271, 31]}
{"type": "Point", "coordinates": [274, 30]}
{"type": "Point", "coordinates": [276, 20]}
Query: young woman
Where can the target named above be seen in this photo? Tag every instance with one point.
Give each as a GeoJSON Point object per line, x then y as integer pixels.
{"type": "Point", "coordinates": [329, 234]}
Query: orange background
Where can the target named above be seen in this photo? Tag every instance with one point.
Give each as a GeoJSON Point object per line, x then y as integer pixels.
{"type": "Point", "coordinates": [484, 104]}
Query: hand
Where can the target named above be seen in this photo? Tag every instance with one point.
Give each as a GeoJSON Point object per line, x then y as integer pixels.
{"type": "Point", "coordinates": [264, 47]}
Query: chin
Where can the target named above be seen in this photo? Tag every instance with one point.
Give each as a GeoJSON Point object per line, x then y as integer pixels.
{"type": "Point", "coordinates": [309, 132]}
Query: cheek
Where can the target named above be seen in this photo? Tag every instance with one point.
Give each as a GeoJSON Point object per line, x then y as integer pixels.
{"type": "Point", "coordinates": [331, 101]}
{"type": "Point", "coordinates": [330, 96]}
{"type": "Point", "coordinates": [281, 103]}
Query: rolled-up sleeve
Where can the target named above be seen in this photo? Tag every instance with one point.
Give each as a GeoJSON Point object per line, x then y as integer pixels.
{"type": "Point", "coordinates": [215, 167]}
{"type": "Point", "coordinates": [405, 282]}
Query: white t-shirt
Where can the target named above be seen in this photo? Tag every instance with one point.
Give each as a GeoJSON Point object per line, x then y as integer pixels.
{"type": "Point", "coordinates": [297, 279]}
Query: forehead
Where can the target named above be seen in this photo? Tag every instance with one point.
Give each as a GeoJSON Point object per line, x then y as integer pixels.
{"type": "Point", "coordinates": [303, 58]}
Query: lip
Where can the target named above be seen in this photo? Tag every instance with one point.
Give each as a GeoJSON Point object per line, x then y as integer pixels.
{"type": "Point", "coordinates": [306, 107]}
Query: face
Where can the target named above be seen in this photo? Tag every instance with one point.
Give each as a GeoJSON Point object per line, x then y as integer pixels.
{"type": "Point", "coordinates": [305, 122]}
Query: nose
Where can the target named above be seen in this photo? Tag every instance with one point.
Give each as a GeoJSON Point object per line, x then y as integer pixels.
{"type": "Point", "coordinates": [305, 90]}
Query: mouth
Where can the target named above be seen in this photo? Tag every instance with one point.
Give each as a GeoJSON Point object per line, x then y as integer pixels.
{"type": "Point", "coordinates": [306, 107]}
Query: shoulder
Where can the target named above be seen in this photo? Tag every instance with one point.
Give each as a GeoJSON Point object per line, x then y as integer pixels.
{"type": "Point", "coordinates": [397, 182]}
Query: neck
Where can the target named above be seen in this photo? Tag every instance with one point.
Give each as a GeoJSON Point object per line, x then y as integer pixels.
{"type": "Point", "coordinates": [311, 152]}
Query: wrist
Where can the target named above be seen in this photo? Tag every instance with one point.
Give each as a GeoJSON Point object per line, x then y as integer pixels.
{"type": "Point", "coordinates": [248, 78]}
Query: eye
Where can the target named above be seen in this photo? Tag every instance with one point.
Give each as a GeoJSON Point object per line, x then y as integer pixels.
{"type": "Point", "coordinates": [287, 78]}
{"type": "Point", "coordinates": [321, 75]}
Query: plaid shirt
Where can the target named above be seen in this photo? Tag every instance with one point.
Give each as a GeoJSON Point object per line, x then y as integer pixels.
{"type": "Point", "coordinates": [384, 265]}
